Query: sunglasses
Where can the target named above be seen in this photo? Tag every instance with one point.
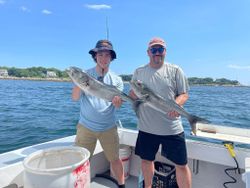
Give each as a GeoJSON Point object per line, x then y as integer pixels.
{"type": "Point", "coordinates": [100, 78]}
{"type": "Point", "coordinates": [155, 50]}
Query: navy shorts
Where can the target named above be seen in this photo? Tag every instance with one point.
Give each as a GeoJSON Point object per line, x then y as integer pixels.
{"type": "Point", "coordinates": [173, 147]}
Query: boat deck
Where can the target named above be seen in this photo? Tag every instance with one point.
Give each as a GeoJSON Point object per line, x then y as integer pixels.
{"type": "Point", "coordinates": [207, 162]}
{"type": "Point", "coordinates": [97, 182]}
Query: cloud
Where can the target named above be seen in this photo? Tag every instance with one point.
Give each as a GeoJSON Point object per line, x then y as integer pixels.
{"type": "Point", "coordinates": [47, 12]}
{"type": "Point", "coordinates": [2, 2]}
{"type": "Point", "coordinates": [239, 67]}
{"type": "Point", "coordinates": [24, 9]}
{"type": "Point", "coordinates": [98, 7]}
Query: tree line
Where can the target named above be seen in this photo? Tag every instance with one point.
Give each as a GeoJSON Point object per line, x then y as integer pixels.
{"type": "Point", "coordinates": [34, 72]}
{"type": "Point", "coordinates": [198, 81]}
{"type": "Point", "coordinates": [41, 72]}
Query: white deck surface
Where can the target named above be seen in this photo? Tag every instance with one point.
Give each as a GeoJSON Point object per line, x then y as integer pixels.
{"type": "Point", "coordinates": [232, 134]}
{"type": "Point", "coordinates": [131, 182]}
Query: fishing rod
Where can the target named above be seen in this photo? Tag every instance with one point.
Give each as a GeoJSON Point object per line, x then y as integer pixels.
{"type": "Point", "coordinates": [107, 28]}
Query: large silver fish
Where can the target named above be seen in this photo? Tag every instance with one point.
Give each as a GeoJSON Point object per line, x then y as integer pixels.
{"type": "Point", "coordinates": [161, 104]}
{"type": "Point", "coordinates": [92, 86]}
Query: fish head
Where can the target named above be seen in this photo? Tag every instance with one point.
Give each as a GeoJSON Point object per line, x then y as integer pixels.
{"type": "Point", "coordinates": [139, 88]}
{"type": "Point", "coordinates": [78, 75]}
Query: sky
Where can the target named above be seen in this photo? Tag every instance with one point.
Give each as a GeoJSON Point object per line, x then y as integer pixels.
{"type": "Point", "coordinates": [208, 38]}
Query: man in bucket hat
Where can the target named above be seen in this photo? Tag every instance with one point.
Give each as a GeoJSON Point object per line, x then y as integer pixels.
{"type": "Point", "coordinates": [97, 116]}
{"type": "Point", "coordinates": [156, 128]}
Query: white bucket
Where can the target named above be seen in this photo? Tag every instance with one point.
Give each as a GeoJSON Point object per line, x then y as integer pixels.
{"type": "Point", "coordinates": [124, 154]}
{"type": "Point", "coordinates": [64, 167]}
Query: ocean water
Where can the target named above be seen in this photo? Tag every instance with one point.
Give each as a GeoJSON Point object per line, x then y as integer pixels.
{"type": "Point", "coordinates": [33, 112]}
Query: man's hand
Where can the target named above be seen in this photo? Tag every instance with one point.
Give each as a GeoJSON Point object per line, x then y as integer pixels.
{"type": "Point", "coordinates": [76, 92]}
{"type": "Point", "coordinates": [180, 100]}
{"type": "Point", "coordinates": [117, 101]}
{"type": "Point", "coordinates": [173, 114]}
{"type": "Point", "coordinates": [133, 95]}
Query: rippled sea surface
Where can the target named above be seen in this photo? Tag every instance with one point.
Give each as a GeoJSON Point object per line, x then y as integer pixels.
{"type": "Point", "coordinates": [32, 112]}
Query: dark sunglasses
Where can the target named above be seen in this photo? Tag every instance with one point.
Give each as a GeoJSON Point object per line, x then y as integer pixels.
{"type": "Point", "coordinates": [100, 78]}
{"type": "Point", "coordinates": [155, 50]}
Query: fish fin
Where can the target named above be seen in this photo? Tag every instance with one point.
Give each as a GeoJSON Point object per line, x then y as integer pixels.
{"type": "Point", "coordinates": [136, 105]}
{"type": "Point", "coordinates": [195, 119]}
{"type": "Point", "coordinates": [143, 97]}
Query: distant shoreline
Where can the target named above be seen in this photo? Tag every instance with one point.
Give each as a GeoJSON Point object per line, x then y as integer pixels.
{"type": "Point", "coordinates": [36, 79]}
{"type": "Point", "coordinates": [69, 80]}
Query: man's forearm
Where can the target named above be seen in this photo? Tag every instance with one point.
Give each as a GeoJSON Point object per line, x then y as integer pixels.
{"type": "Point", "coordinates": [76, 93]}
{"type": "Point", "coordinates": [181, 99]}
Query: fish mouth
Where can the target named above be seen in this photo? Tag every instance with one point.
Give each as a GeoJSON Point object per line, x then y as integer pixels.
{"type": "Point", "coordinates": [73, 70]}
{"type": "Point", "coordinates": [133, 85]}
{"type": "Point", "coordinates": [77, 75]}
{"type": "Point", "coordinates": [136, 84]}
{"type": "Point", "coordinates": [68, 70]}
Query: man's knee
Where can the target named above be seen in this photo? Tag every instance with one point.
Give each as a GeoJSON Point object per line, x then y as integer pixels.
{"type": "Point", "coordinates": [181, 167]}
{"type": "Point", "coordinates": [146, 162]}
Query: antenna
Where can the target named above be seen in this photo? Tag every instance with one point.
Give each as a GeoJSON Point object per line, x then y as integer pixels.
{"type": "Point", "coordinates": [107, 28]}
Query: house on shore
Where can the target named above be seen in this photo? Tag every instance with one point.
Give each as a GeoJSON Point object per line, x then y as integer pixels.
{"type": "Point", "coordinates": [51, 74]}
{"type": "Point", "coordinates": [4, 73]}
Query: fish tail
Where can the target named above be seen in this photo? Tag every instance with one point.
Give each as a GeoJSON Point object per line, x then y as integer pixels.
{"type": "Point", "coordinates": [193, 120]}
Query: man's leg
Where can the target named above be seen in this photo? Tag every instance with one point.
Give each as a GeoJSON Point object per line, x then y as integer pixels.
{"type": "Point", "coordinates": [183, 176]}
{"type": "Point", "coordinates": [146, 147]}
{"type": "Point", "coordinates": [110, 144]}
{"type": "Point", "coordinates": [86, 138]}
{"type": "Point", "coordinates": [174, 149]}
{"type": "Point", "coordinates": [118, 171]}
{"type": "Point", "coordinates": [148, 172]}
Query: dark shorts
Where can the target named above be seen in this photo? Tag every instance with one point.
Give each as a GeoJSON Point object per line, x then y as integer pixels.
{"type": "Point", "coordinates": [173, 147]}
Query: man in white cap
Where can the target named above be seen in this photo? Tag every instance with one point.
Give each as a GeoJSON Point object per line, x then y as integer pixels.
{"type": "Point", "coordinates": [156, 128]}
{"type": "Point", "coordinates": [97, 116]}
